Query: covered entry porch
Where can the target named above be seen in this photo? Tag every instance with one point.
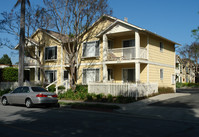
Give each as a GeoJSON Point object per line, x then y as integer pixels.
{"type": "Point", "coordinates": [134, 72]}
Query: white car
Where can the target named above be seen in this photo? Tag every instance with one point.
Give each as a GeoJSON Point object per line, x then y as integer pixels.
{"type": "Point", "coordinates": [30, 96]}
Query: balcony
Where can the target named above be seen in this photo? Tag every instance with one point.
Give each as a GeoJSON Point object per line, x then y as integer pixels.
{"type": "Point", "coordinates": [29, 61]}
{"type": "Point", "coordinates": [125, 54]}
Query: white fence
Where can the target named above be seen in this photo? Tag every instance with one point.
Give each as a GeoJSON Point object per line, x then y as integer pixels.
{"type": "Point", "coordinates": [13, 85]}
{"type": "Point", "coordinates": [125, 89]}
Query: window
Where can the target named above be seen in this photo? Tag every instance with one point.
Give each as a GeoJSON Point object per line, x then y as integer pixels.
{"type": "Point", "coordinates": [38, 89]}
{"type": "Point", "coordinates": [90, 75]}
{"type": "Point", "coordinates": [25, 90]}
{"type": "Point", "coordinates": [110, 44]}
{"type": "Point", "coordinates": [110, 74]}
{"type": "Point", "coordinates": [39, 74]}
{"type": "Point", "coordinates": [161, 74]}
{"type": "Point", "coordinates": [17, 90]}
{"type": "Point", "coordinates": [128, 75]}
{"type": "Point", "coordinates": [91, 49]}
{"type": "Point", "coordinates": [50, 53]}
{"type": "Point", "coordinates": [161, 46]}
{"type": "Point", "coordinates": [129, 43]}
{"type": "Point", "coordinates": [65, 75]}
{"type": "Point", "coordinates": [51, 75]}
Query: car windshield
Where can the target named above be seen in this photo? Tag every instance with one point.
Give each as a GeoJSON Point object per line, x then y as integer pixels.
{"type": "Point", "coordinates": [38, 89]}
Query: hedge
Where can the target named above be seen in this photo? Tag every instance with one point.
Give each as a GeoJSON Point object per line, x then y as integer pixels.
{"type": "Point", "coordinates": [10, 74]}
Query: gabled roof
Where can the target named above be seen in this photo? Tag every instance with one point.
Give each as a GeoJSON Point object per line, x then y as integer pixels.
{"type": "Point", "coordinates": [133, 26]}
{"type": "Point", "coordinates": [62, 38]}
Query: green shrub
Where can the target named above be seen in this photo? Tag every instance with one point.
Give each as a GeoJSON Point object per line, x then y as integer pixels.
{"type": "Point", "coordinates": [10, 74]}
{"type": "Point", "coordinates": [4, 91]}
{"type": "Point", "coordinates": [191, 85]}
{"type": "Point", "coordinates": [82, 88]}
{"type": "Point", "coordinates": [119, 99]}
{"type": "Point", "coordinates": [99, 96]}
{"type": "Point", "coordinates": [89, 97]}
{"type": "Point", "coordinates": [179, 85]}
{"type": "Point", "coordinates": [110, 98]}
{"type": "Point", "coordinates": [52, 88]}
{"type": "Point", "coordinates": [163, 90]}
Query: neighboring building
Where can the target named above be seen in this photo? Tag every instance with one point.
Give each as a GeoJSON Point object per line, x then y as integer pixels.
{"type": "Point", "coordinates": [179, 69]}
{"type": "Point", "coordinates": [188, 71]}
{"type": "Point", "coordinates": [118, 52]}
{"type": "Point", "coordinates": [184, 71]}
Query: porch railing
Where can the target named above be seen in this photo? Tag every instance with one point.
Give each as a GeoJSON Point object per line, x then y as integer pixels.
{"type": "Point", "coordinates": [124, 89]}
{"type": "Point", "coordinates": [125, 53]}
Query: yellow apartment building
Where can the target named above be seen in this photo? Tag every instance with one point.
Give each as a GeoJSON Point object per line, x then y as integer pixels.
{"type": "Point", "coordinates": [117, 52]}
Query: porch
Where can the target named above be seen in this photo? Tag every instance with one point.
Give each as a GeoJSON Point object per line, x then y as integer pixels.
{"type": "Point", "coordinates": [122, 43]}
{"type": "Point", "coordinates": [126, 73]}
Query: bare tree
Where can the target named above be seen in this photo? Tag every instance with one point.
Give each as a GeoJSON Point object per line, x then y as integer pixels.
{"type": "Point", "coordinates": [195, 55]}
{"type": "Point", "coordinates": [36, 17]}
{"type": "Point", "coordinates": [73, 20]}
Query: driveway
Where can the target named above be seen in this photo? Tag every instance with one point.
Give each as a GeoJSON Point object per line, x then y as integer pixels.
{"type": "Point", "coordinates": [180, 106]}
{"type": "Point", "coordinates": [191, 101]}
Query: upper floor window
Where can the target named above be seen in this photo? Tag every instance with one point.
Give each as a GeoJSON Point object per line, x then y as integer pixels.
{"type": "Point", "coordinates": [129, 43]}
{"type": "Point", "coordinates": [50, 53]}
{"type": "Point", "coordinates": [91, 49]}
{"type": "Point", "coordinates": [161, 46]}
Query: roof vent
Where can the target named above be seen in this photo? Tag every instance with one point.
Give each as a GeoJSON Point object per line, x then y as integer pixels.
{"type": "Point", "coordinates": [125, 19]}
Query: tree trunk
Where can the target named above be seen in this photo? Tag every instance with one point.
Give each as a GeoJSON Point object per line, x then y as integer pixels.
{"type": "Point", "coordinates": [21, 45]}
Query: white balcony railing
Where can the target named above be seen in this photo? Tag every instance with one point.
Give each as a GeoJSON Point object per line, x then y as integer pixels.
{"type": "Point", "coordinates": [29, 61]}
{"type": "Point", "coordinates": [125, 54]}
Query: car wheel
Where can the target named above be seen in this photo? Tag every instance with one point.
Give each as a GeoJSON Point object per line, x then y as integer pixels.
{"type": "Point", "coordinates": [28, 103]}
{"type": "Point", "coordinates": [4, 101]}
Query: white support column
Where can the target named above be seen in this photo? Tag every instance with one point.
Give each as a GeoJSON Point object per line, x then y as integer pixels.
{"type": "Point", "coordinates": [62, 71]}
{"type": "Point", "coordinates": [137, 72]}
{"type": "Point", "coordinates": [147, 73]}
{"type": "Point", "coordinates": [137, 45]}
{"type": "Point", "coordinates": [36, 74]}
{"type": "Point", "coordinates": [105, 73]}
{"type": "Point", "coordinates": [36, 67]}
{"type": "Point", "coordinates": [105, 47]}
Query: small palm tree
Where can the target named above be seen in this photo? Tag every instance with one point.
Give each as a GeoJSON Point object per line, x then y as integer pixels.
{"type": "Point", "coordinates": [22, 39]}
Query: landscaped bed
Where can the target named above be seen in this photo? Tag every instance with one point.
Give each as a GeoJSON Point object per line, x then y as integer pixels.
{"type": "Point", "coordinates": [95, 107]}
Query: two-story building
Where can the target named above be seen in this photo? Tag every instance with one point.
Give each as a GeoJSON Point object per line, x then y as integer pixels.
{"type": "Point", "coordinates": [123, 52]}
{"type": "Point", "coordinates": [118, 52]}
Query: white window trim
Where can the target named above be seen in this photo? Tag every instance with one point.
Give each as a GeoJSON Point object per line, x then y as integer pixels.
{"type": "Point", "coordinates": [89, 69]}
{"type": "Point", "coordinates": [83, 57]}
{"type": "Point", "coordinates": [45, 53]}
